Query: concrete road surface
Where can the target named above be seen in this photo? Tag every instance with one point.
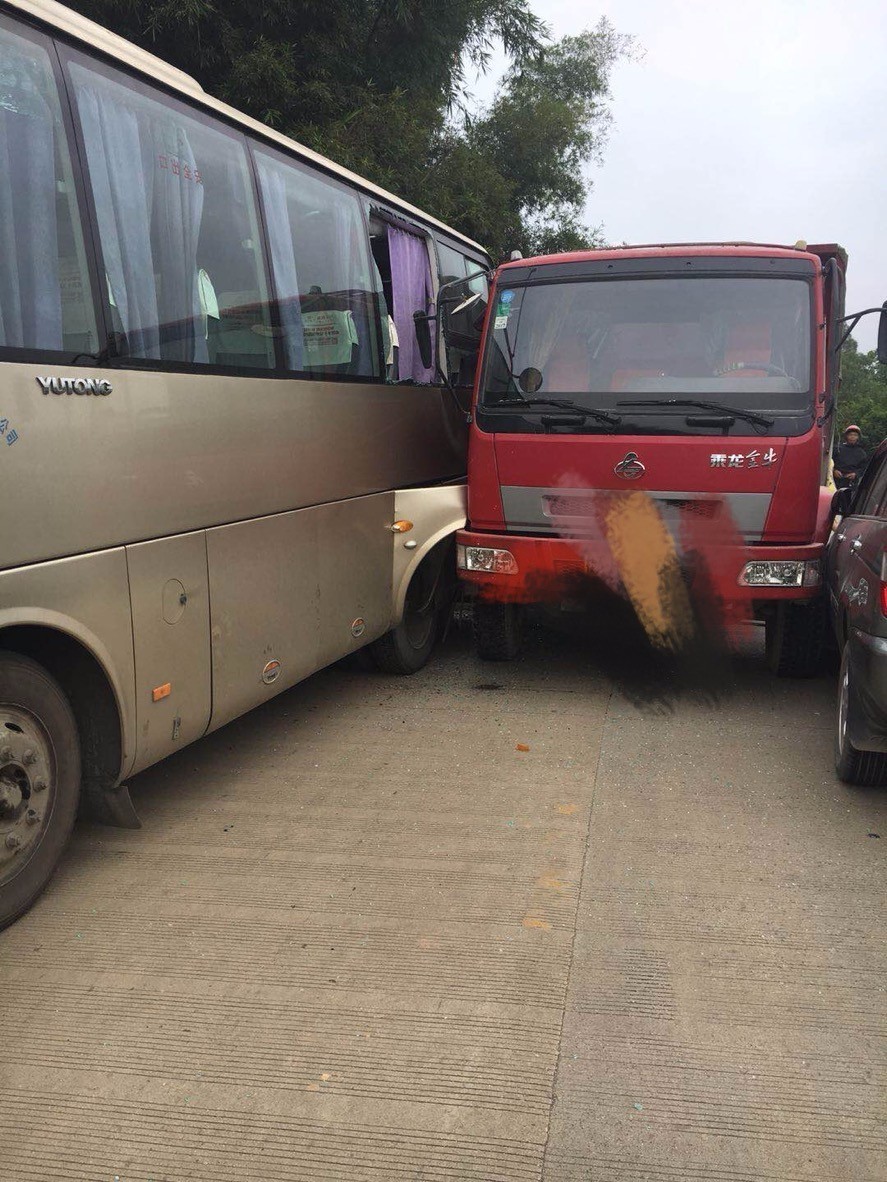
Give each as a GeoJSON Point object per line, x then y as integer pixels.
{"type": "Point", "coordinates": [491, 922]}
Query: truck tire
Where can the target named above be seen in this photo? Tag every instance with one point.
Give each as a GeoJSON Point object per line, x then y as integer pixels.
{"type": "Point", "coordinates": [868, 769]}
{"type": "Point", "coordinates": [39, 781]}
{"type": "Point", "coordinates": [498, 630]}
{"type": "Point", "coordinates": [795, 639]}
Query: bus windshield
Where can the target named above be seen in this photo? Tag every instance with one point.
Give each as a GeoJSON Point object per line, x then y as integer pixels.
{"type": "Point", "coordinates": [613, 343]}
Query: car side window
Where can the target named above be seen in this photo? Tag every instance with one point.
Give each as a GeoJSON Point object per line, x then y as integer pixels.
{"type": "Point", "coordinates": [876, 502]}
{"type": "Point", "coordinates": [872, 498]}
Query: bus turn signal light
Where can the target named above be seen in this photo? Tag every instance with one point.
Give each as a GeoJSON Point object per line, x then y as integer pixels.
{"type": "Point", "coordinates": [161, 692]}
{"type": "Point", "coordinates": [401, 527]}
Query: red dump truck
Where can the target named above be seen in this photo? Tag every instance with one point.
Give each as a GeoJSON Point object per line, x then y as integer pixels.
{"type": "Point", "coordinates": [704, 375]}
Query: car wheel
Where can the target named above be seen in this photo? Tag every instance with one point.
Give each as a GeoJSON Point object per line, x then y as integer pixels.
{"type": "Point", "coordinates": [865, 768]}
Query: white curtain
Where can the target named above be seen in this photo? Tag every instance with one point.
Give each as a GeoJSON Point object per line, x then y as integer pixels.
{"type": "Point", "coordinates": [30, 299]}
{"type": "Point", "coordinates": [273, 184]}
{"type": "Point", "coordinates": [149, 208]}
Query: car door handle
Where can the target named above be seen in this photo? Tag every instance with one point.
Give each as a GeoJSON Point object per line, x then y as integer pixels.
{"type": "Point", "coordinates": [857, 545]}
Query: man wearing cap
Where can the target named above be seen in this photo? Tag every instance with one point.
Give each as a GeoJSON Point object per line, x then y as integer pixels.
{"type": "Point", "coordinates": [850, 458]}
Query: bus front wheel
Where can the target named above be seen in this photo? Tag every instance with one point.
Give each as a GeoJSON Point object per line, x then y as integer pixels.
{"type": "Point", "coordinates": [429, 601]}
{"type": "Point", "coordinates": [39, 781]}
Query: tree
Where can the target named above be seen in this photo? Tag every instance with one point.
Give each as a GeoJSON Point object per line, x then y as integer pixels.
{"type": "Point", "coordinates": [380, 87]}
{"type": "Point", "coordinates": [862, 398]}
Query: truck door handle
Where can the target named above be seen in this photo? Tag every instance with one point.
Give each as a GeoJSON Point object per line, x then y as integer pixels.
{"type": "Point", "coordinates": [857, 545]}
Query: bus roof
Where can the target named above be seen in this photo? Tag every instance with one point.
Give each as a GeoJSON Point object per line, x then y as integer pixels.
{"type": "Point", "coordinates": [118, 48]}
{"type": "Point", "coordinates": [684, 249]}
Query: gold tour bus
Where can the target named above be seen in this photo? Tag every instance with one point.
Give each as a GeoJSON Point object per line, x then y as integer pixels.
{"type": "Point", "coordinates": [225, 458]}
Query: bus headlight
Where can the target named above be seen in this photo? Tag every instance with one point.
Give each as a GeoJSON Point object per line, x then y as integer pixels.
{"type": "Point", "coordinates": [781, 574]}
{"type": "Point", "coordinates": [497, 562]}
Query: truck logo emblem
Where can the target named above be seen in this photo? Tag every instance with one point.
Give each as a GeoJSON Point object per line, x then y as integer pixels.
{"type": "Point", "coordinates": [74, 385]}
{"type": "Point", "coordinates": [630, 468]}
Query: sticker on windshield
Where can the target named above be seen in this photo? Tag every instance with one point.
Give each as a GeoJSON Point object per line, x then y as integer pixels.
{"type": "Point", "coordinates": [501, 322]}
{"type": "Point", "coordinates": [506, 297]}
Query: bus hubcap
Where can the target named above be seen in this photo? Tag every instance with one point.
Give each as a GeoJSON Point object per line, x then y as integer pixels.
{"type": "Point", "coordinates": [25, 786]}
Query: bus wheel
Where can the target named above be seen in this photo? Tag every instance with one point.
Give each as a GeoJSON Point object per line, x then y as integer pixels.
{"type": "Point", "coordinates": [407, 647]}
{"type": "Point", "coordinates": [498, 630]}
{"type": "Point", "coordinates": [795, 639]}
{"type": "Point", "coordinates": [868, 769]}
{"type": "Point", "coordinates": [39, 781]}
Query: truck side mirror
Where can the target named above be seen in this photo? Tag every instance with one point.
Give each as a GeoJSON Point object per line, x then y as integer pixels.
{"type": "Point", "coordinates": [842, 502]}
{"type": "Point", "coordinates": [423, 337]}
{"type": "Point", "coordinates": [882, 335]}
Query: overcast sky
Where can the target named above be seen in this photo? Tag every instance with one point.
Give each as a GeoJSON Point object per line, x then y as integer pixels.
{"type": "Point", "coordinates": [764, 120]}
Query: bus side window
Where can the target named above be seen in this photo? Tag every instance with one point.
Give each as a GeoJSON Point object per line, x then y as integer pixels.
{"type": "Point", "coordinates": [177, 225]}
{"type": "Point", "coordinates": [45, 297]}
{"type": "Point", "coordinates": [325, 287]}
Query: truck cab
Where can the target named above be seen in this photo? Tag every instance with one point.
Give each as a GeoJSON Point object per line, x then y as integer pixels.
{"type": "Point", "coordinates": [701, 377]}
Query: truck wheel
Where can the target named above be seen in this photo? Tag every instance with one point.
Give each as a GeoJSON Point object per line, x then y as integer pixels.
{"type": "Point", "coordinates": [795, 639]}
{"type": "Point", "coordinates": [865, 768]}
{"type": "Point", "coordinates": [39, 781]}
{"type": "Point", "coordinates": [498, 630]}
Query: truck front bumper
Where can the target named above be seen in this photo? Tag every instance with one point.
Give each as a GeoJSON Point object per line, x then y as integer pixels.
{"type": "Point", "coordinates": [519, 568]}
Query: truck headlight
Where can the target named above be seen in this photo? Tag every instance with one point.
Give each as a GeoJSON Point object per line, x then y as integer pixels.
{"type": "Point", "coordinates": [780, 574]}
{"type": "Point", "coordinates": [497, 562]}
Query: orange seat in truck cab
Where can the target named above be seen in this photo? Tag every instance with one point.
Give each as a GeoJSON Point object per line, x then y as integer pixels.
{"type": "Point", "coordinates": [568, 371]}
{"type": "Point", "coordinates": [748, 344]}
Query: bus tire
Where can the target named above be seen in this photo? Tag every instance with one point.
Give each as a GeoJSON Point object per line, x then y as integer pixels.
{"type": "Point", "coordinates": [866, 769]}
{"type": "Point", "coordinates": [408, 646]}
{"type": "Point", "coordinates": [39, 781]}
{"type": "Point", "coordinates": [498, 630]}
{"type": "Point", "coordinates": [795, 639]}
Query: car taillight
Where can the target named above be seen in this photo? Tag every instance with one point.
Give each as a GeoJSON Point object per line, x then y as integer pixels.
{"type": "Point", "coordinates": [884, 583]}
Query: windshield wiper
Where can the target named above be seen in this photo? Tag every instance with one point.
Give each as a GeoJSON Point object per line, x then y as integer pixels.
{"type": "Point", "coordinates": [561, 403]}
{"type": "Point", "coordinates": [720, 407]}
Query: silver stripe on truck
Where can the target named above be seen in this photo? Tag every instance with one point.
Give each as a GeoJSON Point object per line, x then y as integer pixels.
{"type": "Point", "coordinates": [572, 510]}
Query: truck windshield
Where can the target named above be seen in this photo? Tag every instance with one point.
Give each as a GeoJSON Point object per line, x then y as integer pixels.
{"type": "Point", "coordinates": [616, 344]}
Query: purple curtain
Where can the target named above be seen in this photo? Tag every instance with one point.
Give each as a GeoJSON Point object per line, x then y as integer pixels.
{"type": "Point", "coordinates": [412, 292]}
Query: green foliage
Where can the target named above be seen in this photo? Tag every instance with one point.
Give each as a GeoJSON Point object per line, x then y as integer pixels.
{"type": "Point", "coordinates": [862, 398]}
{"type": "Point", "coordinates": [380, 86]}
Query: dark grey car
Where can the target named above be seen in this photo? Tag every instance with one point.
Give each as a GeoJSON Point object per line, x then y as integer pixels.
{"type": "Point", "coordinates": [856, 578]}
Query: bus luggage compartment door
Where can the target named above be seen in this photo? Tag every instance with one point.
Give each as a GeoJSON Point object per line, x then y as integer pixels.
{"type": "Point", "coordinates": [170, 622]}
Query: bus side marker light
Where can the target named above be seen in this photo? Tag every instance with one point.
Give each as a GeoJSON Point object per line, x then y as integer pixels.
{"type": "Point", "coordinates": [271, 672]}
{"type": "Point", "coordinates": [401, 527]}
{"type": "Point", "coordinates": [161, 692]}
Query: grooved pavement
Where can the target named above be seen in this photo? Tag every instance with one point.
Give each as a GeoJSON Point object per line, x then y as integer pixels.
{"type": "Point", "coordinates": [350, 943]}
